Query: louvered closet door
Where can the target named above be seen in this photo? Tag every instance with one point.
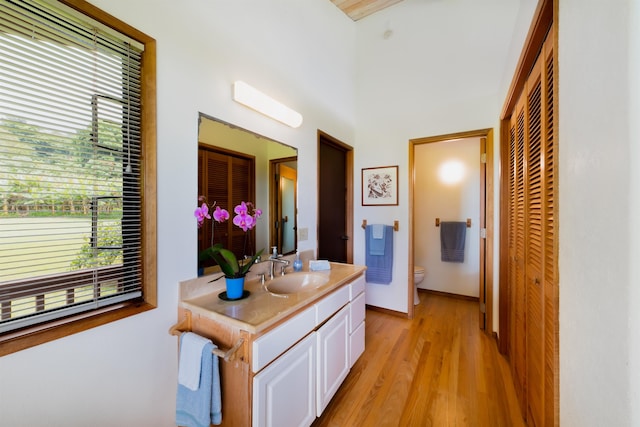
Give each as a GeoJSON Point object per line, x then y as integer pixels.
{"type": "Point", "coordinates": [532, 243]}
{"type": "Point", "coordinates": [533, 231]}
{"type": "Point", "coordinates": [517, 249]}
{"type": "Point", "coordinates": [227, 180]}
{"type": "Point", "coordinates": [550, 243]}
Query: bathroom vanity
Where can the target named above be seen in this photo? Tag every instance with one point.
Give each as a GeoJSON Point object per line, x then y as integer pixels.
{"type": "Point", "coordinates": [283, 354]}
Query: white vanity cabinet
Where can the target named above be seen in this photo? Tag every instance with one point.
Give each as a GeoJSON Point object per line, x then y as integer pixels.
{"type": "Point", "coordinates": [285, 381]}
{"type": "Point", "coordinates": [285, 373]}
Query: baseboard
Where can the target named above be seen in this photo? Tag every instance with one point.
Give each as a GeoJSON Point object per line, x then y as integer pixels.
{"type": "Point", "coordinates": [449, 295]}
{"type": "Point", "coordinates": [387, 311]}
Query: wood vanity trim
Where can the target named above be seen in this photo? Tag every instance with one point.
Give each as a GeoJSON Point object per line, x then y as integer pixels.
{"type": "Point", "coordinates": [235, 375]}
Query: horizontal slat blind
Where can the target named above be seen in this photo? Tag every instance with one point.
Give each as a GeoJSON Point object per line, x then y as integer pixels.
{"type": "Point", "coordinates": [70, 223]}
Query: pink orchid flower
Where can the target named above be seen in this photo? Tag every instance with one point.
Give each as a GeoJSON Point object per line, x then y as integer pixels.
{"type": "Point", "coordinates": [244, 221]}
{"type": "Point", "coordinates": [201, 213]}
{"type": "Point", "coordinates": [241, 209]}
{"type": "Point", "coordinates": [220, 215]}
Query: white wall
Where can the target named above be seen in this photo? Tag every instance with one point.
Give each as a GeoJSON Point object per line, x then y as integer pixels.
{"type": "Point", "coordinates": [599, 234]}
{"type": "Point", "coordinates": [634, 213]}
{"type": "Point", "coordinates": [436, 197]}
{"type": "Point", "coordinates": [435, 75]}
{"type": "Point", "coordinates": [300, 53]}
{"type": "Point", "coordinates": [442, 71]}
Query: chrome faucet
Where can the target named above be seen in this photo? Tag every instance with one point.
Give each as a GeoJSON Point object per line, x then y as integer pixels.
{"type": "Point", "coordinates": [275, 259]}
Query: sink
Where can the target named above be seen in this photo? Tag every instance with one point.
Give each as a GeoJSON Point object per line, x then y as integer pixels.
{"type": "Point", "coordinates": [297, 282]}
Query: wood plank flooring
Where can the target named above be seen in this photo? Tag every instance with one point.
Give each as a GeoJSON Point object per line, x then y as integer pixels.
{"type": "Point", "coordinates": [438, 369]}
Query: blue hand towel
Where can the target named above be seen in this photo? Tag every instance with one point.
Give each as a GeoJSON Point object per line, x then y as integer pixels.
{"type": "Point", "coordinates": [452, 239]}
{"type": "Point", "coordinates": [377, 239]}
{"type": "Point", "coordinates": [201, 407]}
{"type": "Point", "coordinates": [379, 267]}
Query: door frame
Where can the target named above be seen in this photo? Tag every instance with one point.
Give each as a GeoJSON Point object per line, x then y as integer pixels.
{"type": "Point", "coordinates": [485, 282]}
{"type": "Point", "coordinates": [325, 138]}
{"type": "Point", "coordinates": [274, 205]}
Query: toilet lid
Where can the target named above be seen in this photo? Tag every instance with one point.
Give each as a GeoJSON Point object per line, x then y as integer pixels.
{"type": "Point", "coordinates": [418, 269]}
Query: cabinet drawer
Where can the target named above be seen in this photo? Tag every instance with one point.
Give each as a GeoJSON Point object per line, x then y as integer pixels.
{"type": "Point", "coordinates": [357, 312]}
{"type": "Point", "coordinates": [331, 304]}
{"type": "Point", "coordinates": [275, 342]}
{"type": "Point", "coordinates": [356, 287]}
{"type": "Point", "coordinates": [356, 344]}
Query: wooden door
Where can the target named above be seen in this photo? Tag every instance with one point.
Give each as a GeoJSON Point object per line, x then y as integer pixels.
{"type": "Point", "coordinates": [334, 215]}
{"type": "Point", "coordinates": [226, 179]}
{"type": "Point", "coordinates": [534, 257]}
{"type": "Point", "coordinates": [551, 356]}
{"type": "Point", "coordinates": [532, 244]}
{"type": "Point", "coordinates": [517, 297]}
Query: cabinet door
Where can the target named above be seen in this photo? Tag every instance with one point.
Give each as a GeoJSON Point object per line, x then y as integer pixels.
{"type": "Point", "coordinates": [284, 393]}
{"type": "Point", "coordinates": [333, 356]}
{"type": "Point", "coordinates": [356, 344]}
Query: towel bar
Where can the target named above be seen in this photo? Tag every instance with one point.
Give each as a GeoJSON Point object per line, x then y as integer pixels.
{"type": "Point", "coordinates": [185, 326]}
{"type": "Point", "coordinates": [468, 222]}
{"type": "Point", "coordinates": [396, 225]}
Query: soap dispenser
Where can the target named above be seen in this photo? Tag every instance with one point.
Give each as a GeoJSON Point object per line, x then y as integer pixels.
{"type": "Point", "coordinates": [297, 263]}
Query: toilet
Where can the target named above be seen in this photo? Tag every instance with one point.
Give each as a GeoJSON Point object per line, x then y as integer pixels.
{"type": "Point", "coordinates": [418, 277]}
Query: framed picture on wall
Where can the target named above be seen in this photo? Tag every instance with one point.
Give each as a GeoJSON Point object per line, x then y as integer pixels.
{"type": "Point", "coordinates": [380, 186]}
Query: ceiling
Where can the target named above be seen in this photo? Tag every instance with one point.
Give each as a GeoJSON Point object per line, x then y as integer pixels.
{"type": "Point", "coordinates": [358, 9]}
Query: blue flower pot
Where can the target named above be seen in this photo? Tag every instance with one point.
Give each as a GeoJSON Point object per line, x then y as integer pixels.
{"type": "Point", "coordinates": [235, 287]}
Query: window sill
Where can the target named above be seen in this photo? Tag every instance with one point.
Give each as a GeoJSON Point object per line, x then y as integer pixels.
{"type": "Point", "coordinates": [22, 339]}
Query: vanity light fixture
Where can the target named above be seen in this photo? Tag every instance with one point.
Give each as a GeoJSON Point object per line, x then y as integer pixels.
{"type": "Point", "coordinates": [251, 97]}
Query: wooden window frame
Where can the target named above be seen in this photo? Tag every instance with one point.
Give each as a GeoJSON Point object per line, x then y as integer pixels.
{"type": "Point", "coordinates": [21, 339]}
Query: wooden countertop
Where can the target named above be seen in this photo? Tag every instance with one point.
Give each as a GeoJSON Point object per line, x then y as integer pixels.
{"type": "Point", "coordinates": [260, 309]}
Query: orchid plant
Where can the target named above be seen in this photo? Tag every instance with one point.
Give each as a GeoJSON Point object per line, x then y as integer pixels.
{"type": "Point", "coordinates": [246, 216]}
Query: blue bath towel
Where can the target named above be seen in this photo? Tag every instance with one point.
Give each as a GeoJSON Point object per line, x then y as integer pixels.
{"type": "Point", "coordinates": [452, 238]}
{"type": "Point", "coordinates": [379, 267]}
{"type": "Point", "coordinates": [201, 407]}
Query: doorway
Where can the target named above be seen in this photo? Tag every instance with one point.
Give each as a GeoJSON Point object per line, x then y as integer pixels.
{"type": "Point", "coordinates": [335, 199]}
{"type": "Point", "coordinates": [283, 201]}
{"type": "Point", "coordinates": [485, 221]}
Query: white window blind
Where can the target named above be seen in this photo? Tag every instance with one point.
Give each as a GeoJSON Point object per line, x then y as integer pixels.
{"type": "Point", "coordinates": [70, 186]}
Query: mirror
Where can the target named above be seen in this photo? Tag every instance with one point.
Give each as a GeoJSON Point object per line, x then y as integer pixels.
{"type": "Point", "coordinates": [259, 166]}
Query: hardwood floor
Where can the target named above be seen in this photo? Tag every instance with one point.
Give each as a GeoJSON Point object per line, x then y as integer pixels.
{"type": "Point", "coordinates": [438, 369]}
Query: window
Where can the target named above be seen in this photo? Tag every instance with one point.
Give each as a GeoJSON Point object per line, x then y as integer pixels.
{"type": "Point", "coordinates": [77, 170]}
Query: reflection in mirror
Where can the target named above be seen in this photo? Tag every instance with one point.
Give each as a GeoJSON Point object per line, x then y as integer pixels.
{"type": "Point", "coordinates": [236, 165]}
{"type": "Point", "coordinates": [286, 201]}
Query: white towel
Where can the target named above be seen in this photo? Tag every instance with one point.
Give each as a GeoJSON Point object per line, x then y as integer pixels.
{"type": "Point", "coordinates": [319, 265]}
{"type": "Point", "coordinates": [191, 360]}
{"type": "Point", "coordinates": [377, 231]}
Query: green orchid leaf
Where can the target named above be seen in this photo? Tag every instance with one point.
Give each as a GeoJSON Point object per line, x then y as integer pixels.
{"type": "Point", "coordinates": [216, 252]}
{"type": "Point", "coordinates": [230, 259]}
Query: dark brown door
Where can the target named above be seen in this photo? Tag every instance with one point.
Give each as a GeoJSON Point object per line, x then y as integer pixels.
{"type": "Point", "coordinates": [333, 238]}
